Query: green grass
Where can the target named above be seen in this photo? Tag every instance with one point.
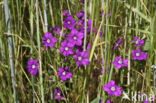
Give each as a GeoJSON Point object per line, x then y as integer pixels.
{"type": "Point", "coordinates": [30, 19]}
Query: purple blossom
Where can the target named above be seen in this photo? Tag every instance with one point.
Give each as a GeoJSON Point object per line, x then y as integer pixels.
{"type": "Point", "coordinates": [55, 29]}
{"type": "Point", "coordinates": [138, 55]}
{"type": "Point", "coordinates": [81, 58]}
{"type": "Point", "coordinates": [101, 71]}
{"type": "Point", "coordinates": [64, 73]}
{"type": "Point", "coordinates": [117, 43]}
{"type": "Point", "coordinates": [32, 66]}
{"type": "Point", "coordinates": [82, 28]}
{"type": "Point", "coordinates": [58, 94]}
{"type": "Point", "coordinates": [66, 48]}
{"type": "Point", "coordinates": [149, 99]}
{"type": "Point", "coordinates": [80, 15]}
{"type": "Point", "coordinates": [81, 1]}
{"type": "Point", "coordinates": [100, 34]}
{"type": "Point", "coordinates": [48, 40]}
{"type": "Point", "coordinates": [112, 89]}
{"type": "Point", "coordinates": [68, 22]}
{"type": "Point", "coordinates": [108, 101]}
{"type": "Point", "coordinates": [65, 12]}
{"type": "Point", "coordinates": [79, 23]}
{"type": "Point", "coordinates": [119, 62]}
{"type": "Point", "coordinates": [75, 37]}
{"type": "Point", "coordinates": [102, 67]}
{"type": "Point", "coordinates": [137, 42]}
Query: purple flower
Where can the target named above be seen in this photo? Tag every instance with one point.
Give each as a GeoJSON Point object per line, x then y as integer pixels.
{"type": "Point", "coordinates": [137, 42]}
{"type": "Point", "coordinates": [48, 40]}
{"type": "Point", "coordinates": [81, 1]}
{"type": "Point", "coordinates": [55, 29]}
{"type": "Point", "coordinates": [117, 43]}
{"type": "Point", "coordinates": [65, 12]}
{"type": "Point", "coordinates": [66, 48]}
{"type": "Point", "coordinates": [81, 58]}
{"type": "Point", "coordinates": [64, 73]}
{"type": "Point", "coordinates": [112, 89]}
{"type": "Point", "coordinates": [75, 37]}
{"type": "Point", "coordinates": [32, 66]}
{"type": "Point", "coordinates": [149, 99]}
{"type": "Point", "coordinates": [108, 101]}
{"type": "Point", "coordinates": [82, 28]}
{"type": "Point", "coordinates": [100, 34]}
{"type": "Point", "coordinates": [68, 22]}
{"type": "Point", "coordinates": [79, 24]}
{"type": "Point", "coordinates": [57, 94]}
{"type": "Point", "coordinates": [80, 15]}
{"type": "Point", "coordinates": [119, 62]}
{"type": "Point", "coordinates": [138, 55]}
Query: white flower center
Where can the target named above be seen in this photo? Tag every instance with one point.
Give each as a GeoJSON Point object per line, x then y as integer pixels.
{"type": "Point", "coordinates": [116, 44]}
{"type": "Point", "coordinates": [66, 48]}
{"type": "Point", "coordinates": [112, 88]}
{"type": "Point", "coordinates": [58, 93]}
{"type": "Point", "coordinates": [48, 40]}
{"type": "Point", "coordinates": [137, 54]}
{"type": "Point", "coordinates": [137, 42]}
{"type": "Point", "coordinates": [74, 37]}
{"type": "Point", "coordinates": [120, 62]}
{"type": "Point", "coordinates": [33, 66]}
{"type": "Point", "coordinates": [79, 58]}
{"type": "Point", "coordinates": [68, 22]}
{"type": "Point", "coordinates": [64, 73]}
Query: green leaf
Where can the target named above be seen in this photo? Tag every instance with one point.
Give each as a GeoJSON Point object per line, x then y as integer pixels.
{"type": "Point", "coordinates": [147, 45]}
{"type": "Point", "coordinates": [96, 100]}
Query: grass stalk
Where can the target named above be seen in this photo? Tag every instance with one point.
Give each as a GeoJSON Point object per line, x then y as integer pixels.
{"type": "Point", "coordinates": [85, 36]}
{"type": "Point", "coordinates": [39, 52]}
{"type": "Point", "coordinates": [46, 30]}
{"type": "Point", "coordinates": [8, 24]}
{"type": "Point", "coordinates": [45, 17]}
{"type": "Point", "coordinates": [84, 48]}
{"type": "Point", "coordinates": [32, 30]}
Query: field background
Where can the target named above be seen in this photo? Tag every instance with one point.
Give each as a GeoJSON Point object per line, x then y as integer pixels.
{"type": "Point", "coordinates": [30, 19]}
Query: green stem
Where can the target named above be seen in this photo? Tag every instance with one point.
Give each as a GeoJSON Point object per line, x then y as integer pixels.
{"type": "Point", "coordinates": [32, 30]}
{"type": "Point", "coordinates": [39, 52]}
{"type": "Point", "coordinates": [85, 37]}
{"type": "Point", "coordinates": [8, 24]}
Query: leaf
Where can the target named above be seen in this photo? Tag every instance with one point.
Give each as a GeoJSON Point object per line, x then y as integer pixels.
{"type": "Point", "coordinates": [147, 44]}
{"type": "Point", "coordinates": [96, 100]}
{"type": "Point", "coordinates": [135, 10]}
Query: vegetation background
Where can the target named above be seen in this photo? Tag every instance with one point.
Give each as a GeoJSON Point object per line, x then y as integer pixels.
{"type": "Point", "coordinates": [30, 19]}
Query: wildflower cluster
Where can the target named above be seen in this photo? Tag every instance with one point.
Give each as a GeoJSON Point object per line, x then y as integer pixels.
{"type": "Point", "coordinates": [110, 87]}
{"type": "Point", "coordinates": [71, 46]}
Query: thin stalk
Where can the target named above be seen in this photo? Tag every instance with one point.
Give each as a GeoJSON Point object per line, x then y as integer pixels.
{"type": "Point", "coordinates": [92, 16]}
{"type": "Point", "coordinates": [84, 46]}
{"type": "Point", "coordinates": [154, 76]}
{"type": "Point", "coordinates": [106, 37]}
{"type": "Point", "coordinates": [8, 24]}
{"type": "Point", "coordinates": [45, 17]}
{"type": "Point", "coordinates": [31, 31]}
{"type": "Point", "coordinates": [129, 53]}
{"type": "Point", "coordinates": [90, 7]}
{"type": "Point", "coordinates": [85, 38]}
{"type": "Point", "coordinates": [39, 52]}
{"type": "Point", "coordinates": [46, 30]}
